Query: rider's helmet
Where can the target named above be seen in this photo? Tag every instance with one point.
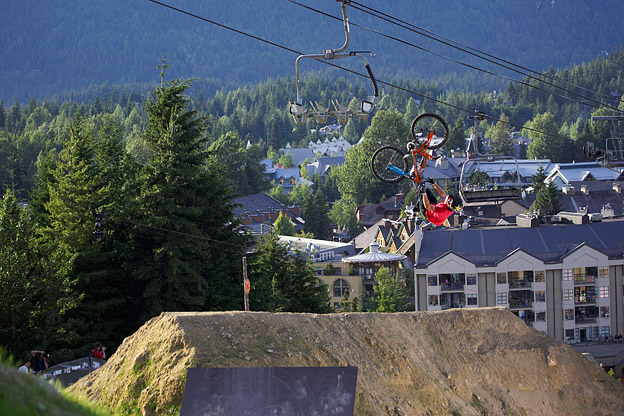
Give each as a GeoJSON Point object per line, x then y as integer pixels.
{"type": "Point", "coordinates": [453, 202]}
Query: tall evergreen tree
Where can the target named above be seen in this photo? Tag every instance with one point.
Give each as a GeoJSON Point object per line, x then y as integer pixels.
{"type": "Point", "coordinates": [547, 200]}
{"type": "Point", "coordinates": [315, 211]}
{"type": "Point", "coordinates": [186, 235]}
{"type": "Point", "coordinates": [501, 140]}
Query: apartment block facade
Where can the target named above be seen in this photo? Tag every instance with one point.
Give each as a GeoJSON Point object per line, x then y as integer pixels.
{"type": "Point", "coordinates": [564, 280]}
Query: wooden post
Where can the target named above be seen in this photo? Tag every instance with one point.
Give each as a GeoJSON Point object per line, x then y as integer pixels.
{"type": "Point", "coordinates": [245, 285]}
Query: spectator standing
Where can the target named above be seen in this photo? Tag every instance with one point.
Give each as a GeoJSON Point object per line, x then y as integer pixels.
{"type": "Point", "coordinates": [40, 361]}
{"type": "Point", "coordinates": [99, 351]}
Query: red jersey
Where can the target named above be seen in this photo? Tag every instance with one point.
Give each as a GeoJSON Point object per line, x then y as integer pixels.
{"type": "Point", "coordinates": [440, 213]}
{"type": "Point", "coordinates": [97, 354]}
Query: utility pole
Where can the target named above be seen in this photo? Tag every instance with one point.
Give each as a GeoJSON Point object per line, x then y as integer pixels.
{"type": "Point", "coordinates": [246, 284]}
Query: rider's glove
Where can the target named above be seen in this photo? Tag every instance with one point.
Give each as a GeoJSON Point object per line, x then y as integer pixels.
{"type": "Point", "coordinates": [430, 180]}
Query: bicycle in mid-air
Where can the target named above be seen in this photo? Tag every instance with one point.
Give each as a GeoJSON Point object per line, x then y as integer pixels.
{"type": "Point", "coordinates": [391, 164]}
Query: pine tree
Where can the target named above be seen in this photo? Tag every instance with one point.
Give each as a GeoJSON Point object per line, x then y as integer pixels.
{"type": "Point", "coordinates": [186, 235]}
{"type": "Point", "coordinates": [315, 213]}
{"type": "Point", "coordinates": [547, 200]}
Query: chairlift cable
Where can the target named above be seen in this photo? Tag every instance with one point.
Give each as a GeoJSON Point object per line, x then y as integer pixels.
{"type": "Point", "coordinates": [446, 41]}
{"type": "Point", "coordinates": [346, 69]}
{"type": "Point", "coordinates": [443, 56]}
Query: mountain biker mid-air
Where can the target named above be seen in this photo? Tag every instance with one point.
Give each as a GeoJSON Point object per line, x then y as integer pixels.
{"type": "Point", "coordinates": [435, 212]}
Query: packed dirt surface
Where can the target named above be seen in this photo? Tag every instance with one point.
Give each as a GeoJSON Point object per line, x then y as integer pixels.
{"type": "Point", "coordinates": [457, 362]}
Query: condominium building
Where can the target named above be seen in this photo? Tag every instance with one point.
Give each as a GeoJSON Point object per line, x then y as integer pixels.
{"type": "Point", "coordinates": [564, 280]}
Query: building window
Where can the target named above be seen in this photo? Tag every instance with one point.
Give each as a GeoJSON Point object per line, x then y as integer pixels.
{"type": "Point", "coordinates": [501, 278]}
{"type": "Point", "coordinates": [471, 279]}
{"type": "Point", "coordinates": [568, 274]}
{"type": "Point", "coordinates": [605, 331]}
{"type": "Point", "coordinates": [433, 300]}
{"type": "Point", "coordinates": [520, 279]}
{"type": "Point", "coordinates": [540, 317]}
{"type": "Point", "coordinates": [604, 311]}
{"type": "Point", "coordinates": [603, 272]}
{"type": "Point", "coordinates": [569, 334]}
{"type": "Point", "coordinates": [569, 314]}
{"type": "Point", "coordinates": [539, 276]}
{"type": "Point", "coordinates": [604, 291]}
{"type": "Point", "coordinates": [540, 296]}
{"type": "Point", "coordinates": [568, 294]}
{"type": "Point", "coordinates": [432, 280]}
{"type": "Point", "coordinates": [585, 274]}
{"type": "Point", "coordinates": [453, 281]}
{"type": "Point", "coordinates": [501, 298]}
{"type": "Point", "coordinates": [337, 306]}
{"type": "Point", "coordinates": [471, 299]}
{"type": "Point", "coordinates": [341, 287]}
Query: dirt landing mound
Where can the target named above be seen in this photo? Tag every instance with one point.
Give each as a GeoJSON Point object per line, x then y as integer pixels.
{"type": "Point", "coordinates": [456, 362]}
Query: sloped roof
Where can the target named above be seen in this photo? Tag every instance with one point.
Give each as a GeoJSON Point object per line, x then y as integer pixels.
{"type": "Point", "coordinates": [488, 246]}
{"type": "Point", "coordinates": [580, 171]}
{"type": "Point", "coordinates": [256, 202]}
{"type": "Point", "coordinates": [299, 155]}
{"type": "Point", "coordinates": [373, 256]}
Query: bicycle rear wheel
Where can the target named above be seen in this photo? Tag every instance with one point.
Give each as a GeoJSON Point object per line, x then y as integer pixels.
{"type": "Point", "coordinates": [427, 123]}
{"type": "Point", "coordinates": [389, 164]}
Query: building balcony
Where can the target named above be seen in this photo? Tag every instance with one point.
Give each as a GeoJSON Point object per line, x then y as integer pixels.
{"type": "Point", "coordinates": [583, 300]}
{"type": "Point", "coordinates": [452, 286]}
{"type": "Point", "coordinates": [583, 280]}
{"type": "Point", "coordinates": [585, 319]}
{"type": "Point", "coordinates": [520, 303]}
{"type": "Point", "coordinates": [452, 305]}
{"type": "Point", "coordinates": [520, 284]}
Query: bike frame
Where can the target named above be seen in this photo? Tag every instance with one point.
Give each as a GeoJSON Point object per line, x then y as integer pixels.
{"type": "Point", "coordinates": [425, 157]}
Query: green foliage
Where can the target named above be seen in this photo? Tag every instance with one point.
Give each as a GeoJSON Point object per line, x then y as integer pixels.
{"type": "Point", "coordinates": [478, 178]}
{"type": "Point", "coordinates": [316, 215]}
{"type": "Point", "coordinates": [389, 295]}
{"type": "Point", "coordinates": [501, 139]}
{"type": "Point", "coordinates": [183, 259]}
{"type": "Point", "coordinates": [286, 161]}
{"type": "Point", "coordinates": [546, 143]}
{"type": "Point", "coordinates": [547, 200]}
{"type": "Point", "coordinates": [283, 225]}
{"type": "Point", "coordinates": [284, 282]}
{"type": "Point", "coordinates": [329, 270]}
{"type": "Point", "coordinates": [240, 166]}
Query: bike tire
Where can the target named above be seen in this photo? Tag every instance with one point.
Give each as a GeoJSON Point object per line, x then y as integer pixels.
{"type": "Point", "coordinates": [425, 123]}
{"type": "Point", "coordinates": [385, 156]}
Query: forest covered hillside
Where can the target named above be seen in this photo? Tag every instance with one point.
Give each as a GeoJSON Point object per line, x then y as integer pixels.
{"type": "Point", "coordinates": [70, 45]}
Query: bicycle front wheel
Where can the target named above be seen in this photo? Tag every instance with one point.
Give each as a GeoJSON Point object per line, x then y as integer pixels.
{"type": "Point", "coordinates": [428, 123]}
{"type": "Point", "coordinates": [389, 164]}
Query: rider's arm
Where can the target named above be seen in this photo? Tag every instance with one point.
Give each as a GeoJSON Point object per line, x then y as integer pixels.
{"type": "Point", "coordinates": [439, 190]}
{"type": "Point", "coordinates": [426, 202]}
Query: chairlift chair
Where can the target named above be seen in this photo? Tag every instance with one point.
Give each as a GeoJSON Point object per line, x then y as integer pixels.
{"type": "Point", "coordinates": [320, 113]}
{"type": "Point", "coordinates": [341, 112]}
{"type": "Point", "coordinates": [471, 193]}
{"type": "Point", "coordinates": [300, 114]}
{"type": "Point", "coordinates": [613, 155]}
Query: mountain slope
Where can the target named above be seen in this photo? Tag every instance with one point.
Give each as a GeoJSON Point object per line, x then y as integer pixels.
{"type": "Point", "coordinates": [74, 44]}
{"type": "Point", "coordinates": [461, 361]}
